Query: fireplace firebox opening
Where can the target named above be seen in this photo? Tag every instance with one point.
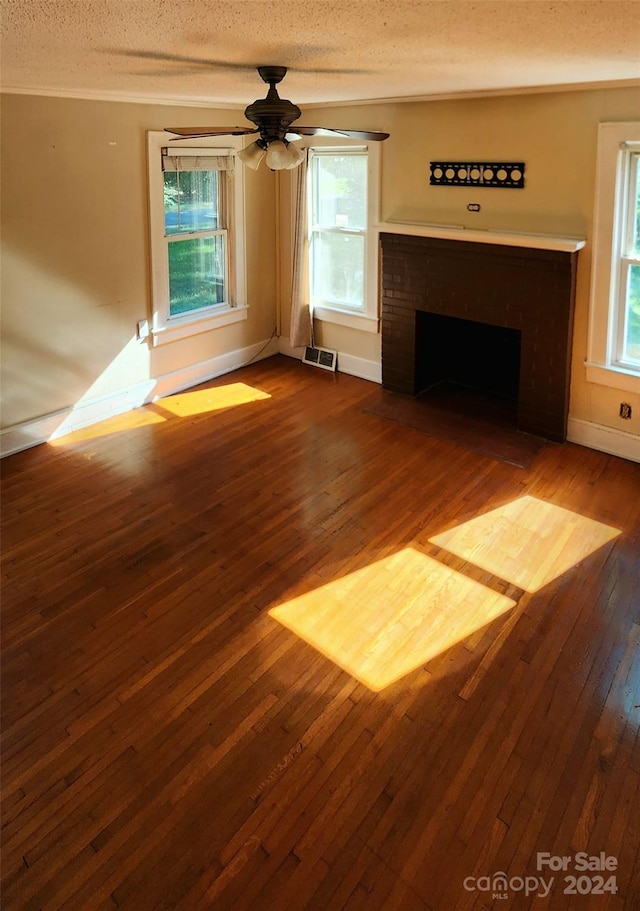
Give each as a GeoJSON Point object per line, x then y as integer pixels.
{"type": "Point", "coordinates": [477, 356]}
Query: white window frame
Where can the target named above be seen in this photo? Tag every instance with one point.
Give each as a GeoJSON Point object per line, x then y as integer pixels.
{"type": "Point", "coordinates": [166, 328]}
{"type": "Point", "coordinates": [617, 142]}
{"type": "Point", "coordinates": [365, 318]}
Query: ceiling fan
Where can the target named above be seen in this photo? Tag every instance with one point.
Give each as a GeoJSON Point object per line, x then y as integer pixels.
{"type": "Point", "coordinates": [273, 117]}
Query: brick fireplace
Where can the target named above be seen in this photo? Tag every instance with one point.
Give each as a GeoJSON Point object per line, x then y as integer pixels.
{"type": "Point", "coordinates": [518, 299]}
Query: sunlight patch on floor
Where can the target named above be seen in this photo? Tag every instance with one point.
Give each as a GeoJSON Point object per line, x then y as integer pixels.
{"type": "Point", "coordinates": [527, 542]}
{"type": "Point", "coordinates": [130, 420]}
{"type": "Point", "coordinates": [182, 405]}
{"type": "Point", "coordinates": [187, 404]}
{"type": "Point", "coordinates": [385, 620]}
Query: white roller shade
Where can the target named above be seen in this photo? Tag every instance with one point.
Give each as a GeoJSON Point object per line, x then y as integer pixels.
{"type": "Point", "coordinates": [196, 160]}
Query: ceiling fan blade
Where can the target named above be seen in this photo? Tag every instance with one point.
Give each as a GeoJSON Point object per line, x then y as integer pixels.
{"type": "Point", "coordinates": [181, 58]}
{"type": "Point", "coordinates": [197, 132]}
{"type": "Point", "coordinates": [212, 63]}
{"type": "Point", "coordinates": [330, 131]}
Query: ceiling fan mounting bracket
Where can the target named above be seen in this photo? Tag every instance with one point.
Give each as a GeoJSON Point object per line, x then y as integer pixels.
{"type": "Point", "coordinates": [272, 74]}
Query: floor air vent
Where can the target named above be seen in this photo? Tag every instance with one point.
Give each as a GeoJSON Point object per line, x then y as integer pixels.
{"type": "Point", "coordinates": [320, 357]}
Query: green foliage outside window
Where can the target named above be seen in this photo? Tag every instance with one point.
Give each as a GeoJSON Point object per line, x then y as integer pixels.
{"type": "Point", "coordinates": [196, 264]}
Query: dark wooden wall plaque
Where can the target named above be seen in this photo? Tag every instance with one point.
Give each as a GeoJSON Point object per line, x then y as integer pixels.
{"type": "Point", "coordinates": [505, 174]}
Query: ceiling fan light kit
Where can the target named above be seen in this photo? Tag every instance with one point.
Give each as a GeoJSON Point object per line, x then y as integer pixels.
{"type": "Point", "coordinates": [252, 155]}
{"type": "Point", "coordinates": [273, 117]}
{"type": "Point", "coordinates": [280, 156]}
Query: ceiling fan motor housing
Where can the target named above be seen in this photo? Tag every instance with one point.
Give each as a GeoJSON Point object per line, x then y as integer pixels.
{"type": "Point", "coordinates": [272, 115]}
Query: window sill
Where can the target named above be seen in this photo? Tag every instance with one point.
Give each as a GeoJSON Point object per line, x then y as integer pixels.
{"type": "Point", "coordinates": [616, 377]}
{"type": "Point", "coordinates": [360, 321]}
{"type": "Point", "coordinates": [164, 335]}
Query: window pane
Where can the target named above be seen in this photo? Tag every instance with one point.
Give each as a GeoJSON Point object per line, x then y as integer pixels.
{"type": "Point", "coordinates": [630, 298]}
{"type": "Point", "coordinates": [190, 201]}
{"type": "Point", "coordinates": [632, 322]}
{"type": "Point", "coordinates": [340, 191]}
{"type": "Point", "coordinates": [338, 268]}
{"type": "Point", "coordinates": [635, 199]}
{"type": "Point", "coordinates": [196, 274]}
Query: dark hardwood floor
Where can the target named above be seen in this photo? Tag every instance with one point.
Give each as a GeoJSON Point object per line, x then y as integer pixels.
{"type": "Point", "coordinates": [264, 649]}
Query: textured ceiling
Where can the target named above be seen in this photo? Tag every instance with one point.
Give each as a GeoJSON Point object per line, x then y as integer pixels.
{"type": "Point", "coordinates": [200, 50]}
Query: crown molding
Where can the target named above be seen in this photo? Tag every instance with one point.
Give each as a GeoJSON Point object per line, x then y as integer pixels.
{"type": "Point", "coordinates": [484, 93]}
{"type": "Point", "coordinates": [127, 97]}
{"type": "Point", "coordinates": [184, 101]}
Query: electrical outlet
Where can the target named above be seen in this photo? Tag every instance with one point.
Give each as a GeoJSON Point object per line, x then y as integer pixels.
{"type": "Point", "coordinates": [625, 411]}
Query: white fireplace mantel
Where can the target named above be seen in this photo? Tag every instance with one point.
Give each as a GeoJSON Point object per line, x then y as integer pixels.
{"type": "Point", "coordinates": [489, 236]}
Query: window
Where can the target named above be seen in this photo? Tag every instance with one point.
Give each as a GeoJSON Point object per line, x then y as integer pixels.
{"type": "Point", "coordinates": [614, 331]}
{"type": "Point", "coordinates": [196, 238]}
{"type": "Point", "coordinates": [195, 231]}
{"type": "Point", "coordinates": [338, 227]}
{"type": "Point", "coordinates": [342, 206]}
{"type": "Point", "coordinates": [627, 347]}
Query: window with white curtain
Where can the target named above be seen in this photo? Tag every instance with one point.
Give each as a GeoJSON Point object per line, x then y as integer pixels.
{"type": "Point", "coordinates": [196, 237]}
{"type": "Point", "coordinates": [614, 331]}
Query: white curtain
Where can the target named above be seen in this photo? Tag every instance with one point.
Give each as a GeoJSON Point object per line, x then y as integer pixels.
{"type": "Point", "coordinates": [301, 331]}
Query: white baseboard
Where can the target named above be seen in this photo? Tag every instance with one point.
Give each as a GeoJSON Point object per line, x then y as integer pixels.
{"type": "Point", "coordinates": [347, 363]}
{"type": "Point", "coordinates": [605, 439]}
{"type": "Point", "coordinates": [49, 426]}
{"type": "Point", "coordinates": [359, 366]}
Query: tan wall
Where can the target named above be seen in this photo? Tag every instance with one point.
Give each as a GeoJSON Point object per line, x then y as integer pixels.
{"type": "Point", "coordinates": [75, 264]}
{"type": "Point", "coordinates": [555, 134]}
{"type": "Point", "coordinates": [75, 235]}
